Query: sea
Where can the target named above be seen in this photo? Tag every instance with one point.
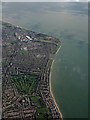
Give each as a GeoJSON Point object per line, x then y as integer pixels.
{"type": "Point", "coordinates": [67, 21]}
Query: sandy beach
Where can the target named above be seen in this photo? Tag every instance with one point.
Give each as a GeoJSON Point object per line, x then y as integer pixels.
{"type": "Point", "coordinates": [51, 88]}
{"type": "Point", "coordinates": [49, 75]}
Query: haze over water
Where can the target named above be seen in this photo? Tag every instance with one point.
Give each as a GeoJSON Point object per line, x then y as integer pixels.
{"type": "Point", "coordinates": [69, 23]}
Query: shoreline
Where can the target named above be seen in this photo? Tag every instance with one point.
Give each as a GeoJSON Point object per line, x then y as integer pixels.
{"type": "Point", "coordinates": [49, 74]}
{"type": "Point", "coordinates": [51, 87]}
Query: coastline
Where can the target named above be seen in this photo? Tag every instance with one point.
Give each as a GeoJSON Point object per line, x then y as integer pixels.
{"type": "Point", "coordinates": [49, 77]}
{"type": "Point", "coordinates": [51, 88]}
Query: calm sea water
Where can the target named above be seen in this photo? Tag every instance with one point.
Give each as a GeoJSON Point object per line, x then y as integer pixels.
{"type": "Point", "coordinates": [69, 23]}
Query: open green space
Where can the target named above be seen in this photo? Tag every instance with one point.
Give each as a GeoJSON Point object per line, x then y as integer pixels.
{"type": "Point", "coordinates": [14, 42]}
{"type": "Point", "coordinates": [26, 84]}
{"type": "Point", "coordinates": [35, 99]}
{"type": "Point", "coordinates": [43, 113]}
{"type": "Point", "coordinates": [24, 52]}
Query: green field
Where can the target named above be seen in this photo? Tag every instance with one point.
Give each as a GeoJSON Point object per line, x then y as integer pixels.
{"type": "Point", "coordinates": [14, 42]}
{"type": "Point", "coordinates": [26, 84]}
{"type": "Point", "coordinates": [24, 52]}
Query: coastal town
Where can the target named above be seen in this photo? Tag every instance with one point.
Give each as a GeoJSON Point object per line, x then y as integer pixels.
{"type": "Point", "coordinates": [27, 59]}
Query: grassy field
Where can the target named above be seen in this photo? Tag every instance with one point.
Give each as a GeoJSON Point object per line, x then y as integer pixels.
{"type": "Point", "coordinates": [14, 42]}
{"type": "Point", "coordinates": [43, 113]}
{"type": "Point", "coordinates": [47, 41]}
{"type": "Point", "coordinates": [25, 84]}
{"type": "Point", "coordinates": [24, 52]}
